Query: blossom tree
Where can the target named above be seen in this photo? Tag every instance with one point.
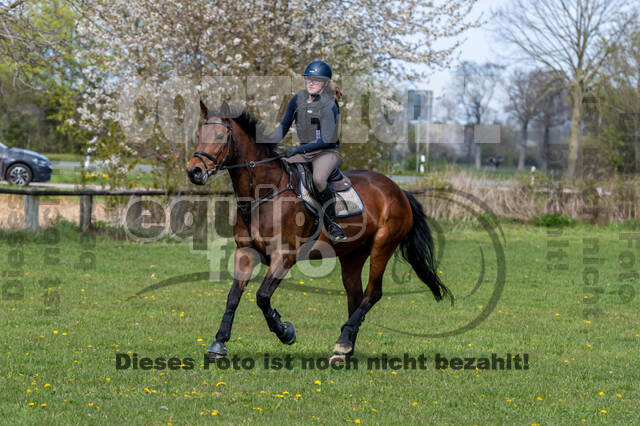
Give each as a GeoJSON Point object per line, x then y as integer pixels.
{"type": "Point", "coordinates": [151, 62]}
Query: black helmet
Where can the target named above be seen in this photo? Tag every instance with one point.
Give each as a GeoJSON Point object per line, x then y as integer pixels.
{"type": "Point", "coordinates": [318, 69]}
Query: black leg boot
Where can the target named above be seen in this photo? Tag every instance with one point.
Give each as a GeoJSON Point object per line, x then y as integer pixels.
{"type": "Point", "coordinates": [327, 200]}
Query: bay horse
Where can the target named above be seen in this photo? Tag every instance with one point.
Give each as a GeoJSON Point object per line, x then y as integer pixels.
{"type": "Point", "coordinates": [275, 226]}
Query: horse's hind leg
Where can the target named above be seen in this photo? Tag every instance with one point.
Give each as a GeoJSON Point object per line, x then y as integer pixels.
{"type": "Point", "coordinates": [351, 266]}
{"type": "Point", "coordinates": [285, 331]}
{"type": "Point", "coordinates": [381, 252]}
{"type": "Point", "coordinates": [245, 260]}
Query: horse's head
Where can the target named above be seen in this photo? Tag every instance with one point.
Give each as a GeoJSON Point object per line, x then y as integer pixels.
{"type": "Point", "coordinates": [215, 145]}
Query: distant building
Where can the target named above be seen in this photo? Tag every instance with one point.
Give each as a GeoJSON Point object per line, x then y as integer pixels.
{"type": "Point", "coordinates": [420, 105]}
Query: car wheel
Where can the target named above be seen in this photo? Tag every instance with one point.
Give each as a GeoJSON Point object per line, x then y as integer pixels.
{"type": "Point", "coordinates": [19, 174]}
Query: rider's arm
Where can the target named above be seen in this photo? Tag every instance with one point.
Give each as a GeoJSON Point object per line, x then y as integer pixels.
{"type": "Point", "coordinates": [284, 126]}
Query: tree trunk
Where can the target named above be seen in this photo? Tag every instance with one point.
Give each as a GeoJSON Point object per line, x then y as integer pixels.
{"type": "Point", "coordinates": [545, 147]}
{"type": "Point", "coordinates": [523, 146]}
{"type": "Point", "coordinates": [636, 141]}
{"type": "Point", "coordinates": [574, 139]}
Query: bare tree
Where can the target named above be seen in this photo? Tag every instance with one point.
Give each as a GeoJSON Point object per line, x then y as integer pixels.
{"type": "Point", "coordinates": [524, 99]}
{"type": "Point", "coordinates": [621, 84]}
{"type": "Point", "coordinates": [572, 38]}
{"type": "Point", "coordinates": [552, 109]}
{"type": "Point", "coordinates": [476, 86]}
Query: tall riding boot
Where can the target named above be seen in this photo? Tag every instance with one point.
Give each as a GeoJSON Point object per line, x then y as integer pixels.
{"type": "Point", "coordinates": [327, 199]}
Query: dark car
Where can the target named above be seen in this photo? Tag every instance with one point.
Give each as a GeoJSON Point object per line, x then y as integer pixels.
{"type": "Point", "coordinates": [21, 166]}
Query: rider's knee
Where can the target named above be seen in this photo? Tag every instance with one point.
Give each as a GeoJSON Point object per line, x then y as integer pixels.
{"type": "Point", "coordinates": [319, 183]}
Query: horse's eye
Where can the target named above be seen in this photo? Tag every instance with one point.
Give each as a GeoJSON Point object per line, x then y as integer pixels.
{"type": "Point", "coordinates": [219, 137]}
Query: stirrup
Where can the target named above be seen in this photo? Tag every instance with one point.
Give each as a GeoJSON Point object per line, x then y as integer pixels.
{"type": "Point", "coordinates": [336, 233]}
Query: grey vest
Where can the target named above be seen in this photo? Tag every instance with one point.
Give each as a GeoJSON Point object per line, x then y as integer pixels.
{"type": "Point", "coordinates": [309, 115]}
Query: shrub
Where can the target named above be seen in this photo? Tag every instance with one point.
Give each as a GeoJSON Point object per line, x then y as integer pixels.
{"type": "Point", "coordinates": [552, 220]}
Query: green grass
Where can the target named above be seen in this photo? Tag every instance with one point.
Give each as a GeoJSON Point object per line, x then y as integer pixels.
{"type": "Point", "coordinates": [96, 177]}
{"type": "Point", "coordinates": [54, 156]}
{"type": "Point", "coordinates": [66, 360]}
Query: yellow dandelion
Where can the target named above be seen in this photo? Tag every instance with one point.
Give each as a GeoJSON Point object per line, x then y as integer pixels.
{"type": "Point", "coordinates": [603, 411]}
{"type": "Point", "coordinates": [539, 398]}
{"type": "Point", "coordinates": [215, 412]}
{"type": "Point", "coordinates": [46, 385]}
{"type": "Point", "coordinates": [619, 396]}
{"type": "Point", "coordinates": [199, 340]}
{"type": "Point", "coordinates": [600, 393]}
{"type": "Point", "coordinates": [90, 404]}
{"type": "Point", "coordinates": [221, 383]}
{"type": "Point", "coordinates": [108, 379]}
{"type": "Point", "coordinates": [317, 382]}
{"type": "Point", "coordinates": [414, 403]}
{"type": "Point", "coordinates": [587, 322]}
{"type": "Point", "coordinates": [55, 331]}
{"type": "Point", "coordinates": [181, 314]}
{"type": "Point", "coordinates": [31, 404]}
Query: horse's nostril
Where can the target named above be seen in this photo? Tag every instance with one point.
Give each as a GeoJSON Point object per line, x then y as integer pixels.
{"type": "Point", "coordinates": [195, 175]}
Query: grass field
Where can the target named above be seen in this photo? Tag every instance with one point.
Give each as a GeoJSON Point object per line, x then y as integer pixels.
{"type": "Point", "coordinates": [60, 339]}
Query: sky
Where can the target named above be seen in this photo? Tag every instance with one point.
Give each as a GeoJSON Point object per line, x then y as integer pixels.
{"type": "Point", "coordinates": [479, 45]}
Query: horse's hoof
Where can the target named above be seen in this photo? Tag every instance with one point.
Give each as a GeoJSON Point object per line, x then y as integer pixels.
{"type": "Point", "coordinates": [337, 359]}
{"type": "Point", "coordinates": [344, 349]}
{"type": "Point", "coordinates": [217, 350]}
{"type": "Point", "coordinates": [288, 336]}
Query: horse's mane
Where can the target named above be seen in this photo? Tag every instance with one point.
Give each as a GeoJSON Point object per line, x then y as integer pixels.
{"type": "Point", "coordinates": [256, 130]}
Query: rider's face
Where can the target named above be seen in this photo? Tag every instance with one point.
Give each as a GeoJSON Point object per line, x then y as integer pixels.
{"type": "Point", "coordinates": [314, 85]}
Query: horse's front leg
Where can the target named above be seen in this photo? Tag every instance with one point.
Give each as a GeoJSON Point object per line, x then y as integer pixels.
{"type": "Point", "coordinates": [280, 265]}
{"type": "Point", "coordinates": [245, 260]}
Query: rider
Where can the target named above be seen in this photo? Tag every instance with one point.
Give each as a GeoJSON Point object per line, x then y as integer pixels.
{"type": "Point", "coordinates": [315, 111]}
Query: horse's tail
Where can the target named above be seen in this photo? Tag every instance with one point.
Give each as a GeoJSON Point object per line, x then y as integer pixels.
{"type": "Point", "coordinates": [417, 249]}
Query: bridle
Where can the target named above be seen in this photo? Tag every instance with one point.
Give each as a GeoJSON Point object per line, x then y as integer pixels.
{"type": "Point", "coordinates": [246, 206]}
{"type": "Point", "coordinates": [230, 144]}
{"type": "Point", "coordinates": [227, 146]}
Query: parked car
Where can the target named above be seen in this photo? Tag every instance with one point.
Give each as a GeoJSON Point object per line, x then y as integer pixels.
{"type": "Point", "coordinates": [21, 166]}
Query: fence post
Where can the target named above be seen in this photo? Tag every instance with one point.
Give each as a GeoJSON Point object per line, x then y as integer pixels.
{"type": "Point", "coordinates": [31, 207]}
{"type": "Point", "coordinates": [86, 209]}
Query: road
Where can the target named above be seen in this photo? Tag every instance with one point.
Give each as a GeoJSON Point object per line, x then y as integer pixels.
{"type": "Point", "coordinates": [74, 165]}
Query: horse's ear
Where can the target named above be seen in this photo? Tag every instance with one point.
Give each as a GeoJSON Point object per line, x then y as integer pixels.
{"type": "Point", "coordinates": [225, 111]}
{"type": "Point", "coordinates": [204, 110]}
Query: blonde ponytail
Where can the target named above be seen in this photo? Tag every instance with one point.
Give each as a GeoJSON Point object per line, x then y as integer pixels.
{"type": "Point", "coordinates": [334, 90]}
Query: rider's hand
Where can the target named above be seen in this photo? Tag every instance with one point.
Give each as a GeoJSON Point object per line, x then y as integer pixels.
{"type": "Point", "coordinates": [290, 151]}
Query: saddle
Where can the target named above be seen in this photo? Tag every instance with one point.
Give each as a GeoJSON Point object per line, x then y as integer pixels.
{"type": "Point", "coordinates": [348, 202]}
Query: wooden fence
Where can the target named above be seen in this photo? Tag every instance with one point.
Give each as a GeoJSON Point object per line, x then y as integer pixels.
{"type": "Point", "coordinates": [32, 203]}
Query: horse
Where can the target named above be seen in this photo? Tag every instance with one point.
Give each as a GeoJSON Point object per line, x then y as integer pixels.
{"type": "Point", "coordinates": [268, 204]}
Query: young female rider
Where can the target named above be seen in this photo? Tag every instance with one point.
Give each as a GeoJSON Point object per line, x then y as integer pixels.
{"type": "Point", "coordinates": [315, 111]}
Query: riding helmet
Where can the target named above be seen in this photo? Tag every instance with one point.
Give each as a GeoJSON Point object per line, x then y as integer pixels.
{"type": "Point", "coordinates": [319, 69]}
